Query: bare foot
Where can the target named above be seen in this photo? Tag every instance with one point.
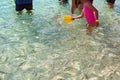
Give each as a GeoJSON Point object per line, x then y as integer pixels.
{"type": "Point", "coordinates": [19, 12]}
{"type": "Point", "coordinates": [88, 32]}
{"type": "Point", "coordinates": [29, 12]}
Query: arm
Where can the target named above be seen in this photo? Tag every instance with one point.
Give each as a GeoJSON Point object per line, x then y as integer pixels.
{"type": "Point", "coordinates": [80, 16]}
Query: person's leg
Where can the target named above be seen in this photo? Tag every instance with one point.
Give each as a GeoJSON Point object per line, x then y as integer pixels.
{"type": "Point", "coordinates": [73, 6]}
{"type": "Point", "coordinates": [19, 8]}
{"type": "Point", "coordinates": [89, 29]}
{"type": "Point", "coordinates": [110, 3]}
{"type": "Point", "coordinates": [29, 8]}
{"type": "Point", "coordinates": [65, 1]}
{"type": "Point", "coordinates": [80, 7]}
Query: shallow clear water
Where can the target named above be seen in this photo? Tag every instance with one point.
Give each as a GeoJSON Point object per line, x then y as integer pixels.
{"type": "Point", "coordinates": [42, 47]}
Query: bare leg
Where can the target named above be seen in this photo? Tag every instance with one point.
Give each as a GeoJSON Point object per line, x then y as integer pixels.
{"type": "Point", "coordinates": [89, 29]}
{"type": "Point", "coordinates": [80, 7]}
{"type": "Point", "coordinates": [73, 7]}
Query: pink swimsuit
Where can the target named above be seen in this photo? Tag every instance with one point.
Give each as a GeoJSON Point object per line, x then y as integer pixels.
{"type": "Point", "coordinates": [89, 15]}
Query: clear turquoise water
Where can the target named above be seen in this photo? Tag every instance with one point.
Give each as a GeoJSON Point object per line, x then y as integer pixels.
{"type": "Point", "coordinates": [42, 47]}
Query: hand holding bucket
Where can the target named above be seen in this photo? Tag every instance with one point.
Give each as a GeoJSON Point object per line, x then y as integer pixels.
{"type": "Point", "coordinates": [67, 19]}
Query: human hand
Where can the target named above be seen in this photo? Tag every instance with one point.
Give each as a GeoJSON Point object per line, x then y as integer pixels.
{"type": "Point", "coordinates": [73, 18]}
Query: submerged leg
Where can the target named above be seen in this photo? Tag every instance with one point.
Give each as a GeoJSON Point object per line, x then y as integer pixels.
{"type": "Point", "coordinates": [89, 29]}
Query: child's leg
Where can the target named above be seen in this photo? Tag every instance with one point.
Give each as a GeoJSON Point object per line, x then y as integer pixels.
{"type": "Point", "coordinates": [89, 29]}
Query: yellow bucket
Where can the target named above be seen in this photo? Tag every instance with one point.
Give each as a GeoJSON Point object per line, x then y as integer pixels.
{"type": "Point", "coordinates": [67, 19]}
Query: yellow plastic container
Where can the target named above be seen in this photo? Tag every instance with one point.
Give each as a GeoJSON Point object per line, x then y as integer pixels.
{"type": "Point", "coordinates": [67, 19]}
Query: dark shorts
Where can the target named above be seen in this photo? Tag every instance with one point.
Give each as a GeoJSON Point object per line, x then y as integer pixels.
{"type": "Point", "coordinates": [111, 1]}
{"type": "Point", "coordinates": [20, 7]}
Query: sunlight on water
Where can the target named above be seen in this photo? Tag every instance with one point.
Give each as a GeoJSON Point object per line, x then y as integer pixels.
{"type": "Point", "coordinates": [42, 47]}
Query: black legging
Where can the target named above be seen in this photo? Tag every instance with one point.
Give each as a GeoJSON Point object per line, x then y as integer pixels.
{"type": "Point", "coordinates": [111, 1]}
{"type": "Point", "coordinates": [64, 1]}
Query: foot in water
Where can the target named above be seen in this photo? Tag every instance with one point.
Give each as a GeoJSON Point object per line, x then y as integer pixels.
{"type": "Point", "coordinates": [110, 5]}
{"type": "Point", "coordinates": [29, 12]}
{"type": "Point", "coordinates": [87, 31]}
{"type": "Point", "coordinates": [19, 12]}
{"type": "Point", "coordinates": [63, 1]}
